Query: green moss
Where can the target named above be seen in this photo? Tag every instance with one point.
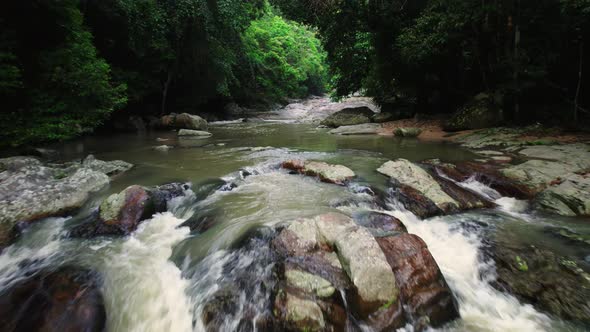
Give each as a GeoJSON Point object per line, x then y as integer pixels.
{"type": "Point", "coordinates": [388, 304]}
{"type": "Point", "coordinates": [521, 264]}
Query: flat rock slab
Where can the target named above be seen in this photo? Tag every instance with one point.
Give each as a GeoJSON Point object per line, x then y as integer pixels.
{"type": "Point", "coordinates": [362, 129]}
{"type": "Point", "coordinates": [569, 198]}
{"type": "Point", "coordinates": [188, 133]}
{"type": "Point", "coordinates": [412, 175]}
{"type": "Point", "coordinates": [537, 174]}
{"type": "Point", "coordinates": [328, 173]}
{"type": "Point", "coordinates": [576, 155]}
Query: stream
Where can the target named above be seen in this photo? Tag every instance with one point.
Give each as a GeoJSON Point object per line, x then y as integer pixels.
{"type": "Point", "coordinates": [160, 277]}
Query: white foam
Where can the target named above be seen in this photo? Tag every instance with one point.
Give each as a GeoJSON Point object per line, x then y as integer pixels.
{"type": "Point", "coordinates": [143, 290]}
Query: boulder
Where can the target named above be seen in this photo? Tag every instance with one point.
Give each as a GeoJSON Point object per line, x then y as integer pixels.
{"type": "Point", "coordinates": [412, 200]}
{"type": "Point", "coordinates": [183, 121]}
{"type": "Point", "coordinates": [571, 197]}
{"type": "Point", "coordinates": [383, 117]}
{"type": "Point", "coordinates": [299, 314]}
{"type": "Point", "coordinates": [379, 224]}
{"type": "Point", "coordinates": [407, 132]}
{"type": "Point", "coordinates": [408, 174]}
{"type": "Point", "coordinates": [373, 281]}
{"type": "Point", "coordinates": [328, 173]}
{"type": "Point", "coordinates": [427, 297]}
{"type": "Point", "coordinates": [466, 198]}
{"type": "Point", "coordinates": [480, 112]}
{"type": "Point", "coordinates": [121, 213]}
{"type": "Point", "coordinates": [362, 129]}
{"type": "Point", "coordinates": [189, 133]}
{"type": "Point", "coordinates": [348, 117]}
{"type": "Point", "coordinates": [68, 299]}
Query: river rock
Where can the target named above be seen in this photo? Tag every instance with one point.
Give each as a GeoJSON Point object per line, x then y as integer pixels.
{"type": "Point", "coordinates": [348, 117]}
{"type": "Point", "coordinates": [568, 198]}
{"type": "Point", "coordinates": [189, 133]}
{"type": "Point", "coordinates": [410, 175]}
{"type": "Point", "coordinates": [407, 132]}
{"type": "Point", "coordinates": [427, 297]}
{"type": "Point", "coordinates": [576, 155]}
{"type": "Point", "coordinates": [183, 121]}
{"type": "Point", "coordinates": [362, 129]}
{"type": "Point", "coordinates": [109, 168]}
{"type": "Point", "coordinates": [379, 224]}
{"type": "Point", "coordinates": [65, 300]}
{"type": "Point", "coordinates": [162, 148]}
{"type": "Point", "coordinates": [328, 173]}
{"type": "Point", "coordinates": [488, 174]}
{"type": "Point", "coordinates": [31, 191]}
{"type": "Point", "coordinates": [299, 314]}
{"type": "Point", "coordinates": [373, 280]}
{"type": "Point", "coordinates": [480, 112]}
{"type": "Point", "coordinates": [536, 174]}
{"type": "Point", "coordinates": [551, 283]}
{"type": "Point", "coordinates": [466, 198]}
{"type": "Point", "coordinates": [121, 214]}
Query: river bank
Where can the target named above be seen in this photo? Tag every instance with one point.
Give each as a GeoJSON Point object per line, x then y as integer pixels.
{"type": "Point", "coordinates": [271, 223]}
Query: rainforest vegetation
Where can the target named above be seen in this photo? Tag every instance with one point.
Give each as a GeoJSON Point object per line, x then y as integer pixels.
{"type": "Point", "coordinates": [68, 66]}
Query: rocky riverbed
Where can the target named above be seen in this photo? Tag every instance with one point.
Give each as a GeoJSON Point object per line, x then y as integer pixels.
{"type": "Point", "coordinates": [275, 224]}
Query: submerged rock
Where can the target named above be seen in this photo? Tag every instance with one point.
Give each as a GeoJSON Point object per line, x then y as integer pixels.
{"type": "Point", "coordinates": [65, 300]}
{"type": "Point", "coordinates": [410, 175]}
{"type": "Point", "coordinates": [551, 283]}
{"type": "Point", "coordinates": [362, 129]}
{"type": "Point", "coordinates": [336, 174]}
{"type": "Point", "coordinates": [183, 121]}
{"type": "Point", "coordinates": [121, 214]}
{"type": "Point", "coordinates": [348, 117]}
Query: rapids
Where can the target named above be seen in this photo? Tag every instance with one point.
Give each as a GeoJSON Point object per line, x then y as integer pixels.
{"type": "Point", "coordinates": [160, 277]}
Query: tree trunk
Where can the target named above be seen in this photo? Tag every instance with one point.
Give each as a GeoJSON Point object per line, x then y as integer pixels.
{"type": "Point", "coordinates": [576, 107]}
{"type": "Point", "coordinates": [165, 93]}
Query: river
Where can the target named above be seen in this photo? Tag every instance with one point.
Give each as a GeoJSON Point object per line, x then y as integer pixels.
{"type": "Point", "coordinates": [159, 278]}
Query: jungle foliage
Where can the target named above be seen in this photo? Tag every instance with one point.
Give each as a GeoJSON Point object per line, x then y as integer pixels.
{"type": "Point", "coordinates": [66, 66]}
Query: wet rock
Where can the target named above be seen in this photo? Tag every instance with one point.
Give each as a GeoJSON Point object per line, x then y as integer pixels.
{"type": "Point", "coordinates": [480, 112]}
{"type": "Point", "coordinates": [551, 283]}
{"type": "Point", "coordinates": [575, 155]}
{"type": "Point", "coordinates": [568, 198]}
{"type": "Point", "coordinates": [31, 191]}
{"type": "Point", "coordinates": [374, 283]}
{"type": "Point", "coordinates": [466, 198]}
{"type": "Point", "coordinates": [336, 174]}
{"type": "Point", "coordinates": [413, 176]}
{"type": "Point", "coordinates": [423, 288]}
{"type": "Point", "coordinates": [309, 283]}
{"type": "Point", "coordinates": [183, 121]}
{"type": "Point", "coordinates": [121, 214]}
{"type": "Point", "coordinates": [407, 132]}
{"type": "Point", "coordinates": [299, 314]}
{"type": "Point", "coordinates": [222, 303]}
{"type": "Point", "coordinates": [189, 133]}
{"type": "Point", "coordinates": [65, 300]}
{"type": "Point", "coordinates": [536, 174]}
{"type": "Point", "coordinates": [488, 174]}
{"type": "Point", "coordinates": [162, 148]}
{"type": "Point", "coordinates": [349, 117]}
{"type": "Point", "coordinates": [412, 200]}
{"type": "Point", "coordinates": [379, 224]}
{"type": "Point", "coordinates": [362, 129]}
{"type": "Point", "coordinates": [109, 168]}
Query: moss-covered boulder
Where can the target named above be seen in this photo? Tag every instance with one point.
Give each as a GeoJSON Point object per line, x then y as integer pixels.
{"type": "Point", "coordinates": [483, 111]}
{"type": "Point", "coordinates": [407, 132]}
{"type": "Point", "coordinates": [349, 117]}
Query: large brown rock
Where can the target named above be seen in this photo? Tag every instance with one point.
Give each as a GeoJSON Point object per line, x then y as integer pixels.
{"type": "Point", "coordinates": [121, 214]}
{"type": "Point", "coordinates": [67, 300]}
{"type": "Point", "coordinates": [424, 291]}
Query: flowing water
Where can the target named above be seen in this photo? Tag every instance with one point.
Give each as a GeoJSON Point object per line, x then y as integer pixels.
{"type": "Point", "coordinates": [160, 277]}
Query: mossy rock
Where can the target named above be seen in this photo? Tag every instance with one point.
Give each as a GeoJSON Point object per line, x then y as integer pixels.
{"type": "Point", "coordinates": [480, 112]}
{"type": "Point", "coordinates": [349, 117]}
